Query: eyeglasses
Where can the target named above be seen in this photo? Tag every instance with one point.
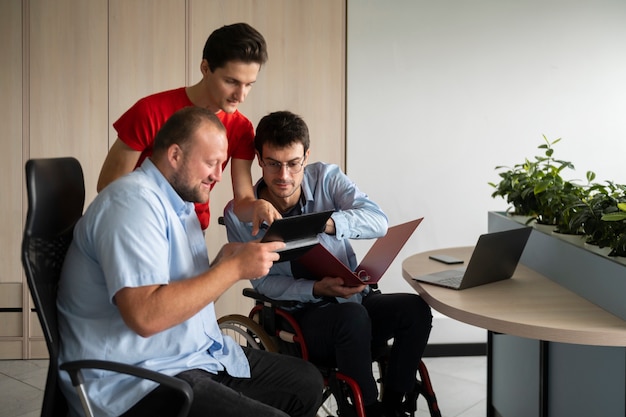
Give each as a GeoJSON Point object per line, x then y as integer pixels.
{"type": "Point", "coordinates": [275, 167]}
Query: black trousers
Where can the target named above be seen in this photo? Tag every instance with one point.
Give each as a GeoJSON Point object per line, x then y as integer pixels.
{"type": "Point", "coordinates": [279, 386]}
{"type": "Point", "coordinates": [345, 335]}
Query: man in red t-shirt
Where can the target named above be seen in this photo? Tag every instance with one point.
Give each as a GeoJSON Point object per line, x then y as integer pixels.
{"type": "Point", "coordinates": [231, 60]}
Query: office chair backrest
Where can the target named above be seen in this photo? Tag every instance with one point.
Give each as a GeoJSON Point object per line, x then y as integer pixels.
{"type": "Point", "coordinates": [56, 197]}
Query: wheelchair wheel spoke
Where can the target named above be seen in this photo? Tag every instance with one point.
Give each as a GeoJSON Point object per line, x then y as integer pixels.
{"type": "Point", "coordinates": [246, 332]}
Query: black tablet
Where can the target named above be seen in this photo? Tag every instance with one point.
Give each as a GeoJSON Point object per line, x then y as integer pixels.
{"type": "Point", "coordinates": [298, 232]}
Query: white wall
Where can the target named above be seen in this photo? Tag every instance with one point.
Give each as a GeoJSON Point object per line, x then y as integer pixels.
{"type": "Point", "coordinates": [442, 91]}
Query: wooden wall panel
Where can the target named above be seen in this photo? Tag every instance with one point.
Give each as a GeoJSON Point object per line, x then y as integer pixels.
{"type": "Point", "coordinates": [11, 182]}
{"type": "Point", "coordinates": [147, 52]}
{"type": "Point", "coordinates": [67, 79]}
{"type": "Point", "coordinates": [10, 310]}
{"type": "Point", "coordinates": [68, 82]}
{"type": "Point", "coordinates": [11, 349]}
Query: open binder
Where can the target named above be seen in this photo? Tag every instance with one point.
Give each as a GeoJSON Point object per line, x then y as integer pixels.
{"type": "Point", "coordinates": [319, 262]}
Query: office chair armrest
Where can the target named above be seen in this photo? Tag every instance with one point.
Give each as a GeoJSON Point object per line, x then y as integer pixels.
{"type": "Point", "coordinates": [74, 369]}
{"type": "Point", "coordinates": [260, 298]}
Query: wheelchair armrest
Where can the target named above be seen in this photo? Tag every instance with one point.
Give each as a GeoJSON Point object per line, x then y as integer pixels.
{"type": "Point", "coordinates": [260, 298]}
{"type": "Point", "coordinates": [74, 368]}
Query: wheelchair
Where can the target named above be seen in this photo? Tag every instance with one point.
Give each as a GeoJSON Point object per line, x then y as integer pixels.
{"type": "Point", "coordinates": [270, 327]}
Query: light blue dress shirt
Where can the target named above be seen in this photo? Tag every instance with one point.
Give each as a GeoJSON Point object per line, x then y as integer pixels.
{"type": "Point", "coordinates": [324, 187]}
{"type": "Point", "coordinates": [137, 232]}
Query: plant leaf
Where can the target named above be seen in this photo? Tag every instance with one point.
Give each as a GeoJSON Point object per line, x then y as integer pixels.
{"type": "Point", "coordinates": [614, 217]}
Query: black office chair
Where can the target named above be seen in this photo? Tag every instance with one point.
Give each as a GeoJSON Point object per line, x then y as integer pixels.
{"type": "Point", "coordinates": [56, 196]}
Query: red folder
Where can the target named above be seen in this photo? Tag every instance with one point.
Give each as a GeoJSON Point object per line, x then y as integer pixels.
{"type": "Point", "coordinates": [320, 263]}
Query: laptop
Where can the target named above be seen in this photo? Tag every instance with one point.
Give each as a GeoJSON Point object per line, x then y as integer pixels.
{"type": "Point", "coordinates": [318, 262]}
{"type": "Point", "coordinates": [494, 258]}
{"type": "Point", "coordinates": [298, 232]}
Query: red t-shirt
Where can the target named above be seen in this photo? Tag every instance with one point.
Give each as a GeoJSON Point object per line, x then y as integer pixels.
{"type": "Point", "coordinates": [140, 124]}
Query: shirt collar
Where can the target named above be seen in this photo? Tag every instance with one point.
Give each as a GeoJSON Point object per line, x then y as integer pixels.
{"type": "Point", "coordinates": [180, 206]}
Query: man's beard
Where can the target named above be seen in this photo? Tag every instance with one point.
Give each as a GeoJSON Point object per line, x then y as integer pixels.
{"type": "Point", "coordinates": [186, 192]}
{"type": "Point", "coordinates": [281, 193]}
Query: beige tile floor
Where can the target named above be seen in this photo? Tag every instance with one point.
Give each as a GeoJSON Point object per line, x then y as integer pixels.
{"type": "Point", "coordinates": [459, 382]}
{"type": "Point", "coordinates": [21, 387]}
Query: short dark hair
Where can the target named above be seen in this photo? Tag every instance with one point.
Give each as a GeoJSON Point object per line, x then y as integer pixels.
{"type": "Point", "coordinates": [280, 129]}
{"type": "Point", "coordinates": [181, 126]}
{"type": "Point", "coordinates": [236, 42]}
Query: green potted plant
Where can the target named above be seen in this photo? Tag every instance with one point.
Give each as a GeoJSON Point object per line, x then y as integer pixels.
{"type": "Point", "coordinates": [535, 188]}
{"type": "Point", "coordinates": [594, 212]}
{"type": "Point", "coordinates": [599, 200]}
{"type": "Point", "coordinates": [552, 192]}
{"type": "Point", "coordinates": [516, 187]}
{"type": "Point", "coordinates": [579, 206]}
{"type": "Point", "coordinates": [571, 195]}
{"type": "Point", "coordinates": [616, 219]}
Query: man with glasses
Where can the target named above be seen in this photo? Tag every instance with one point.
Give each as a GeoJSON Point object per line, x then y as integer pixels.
{"type": "Point", "coordinates": [342, 325]}
{"type": "Point", "coordinates": [231, 60]}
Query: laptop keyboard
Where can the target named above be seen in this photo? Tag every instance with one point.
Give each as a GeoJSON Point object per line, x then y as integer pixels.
{"type": "Point", "coordinates": [452, 281]}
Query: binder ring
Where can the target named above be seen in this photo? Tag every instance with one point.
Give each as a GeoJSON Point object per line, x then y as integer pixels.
{"type": "Point", "coordinates": [363, 276]}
